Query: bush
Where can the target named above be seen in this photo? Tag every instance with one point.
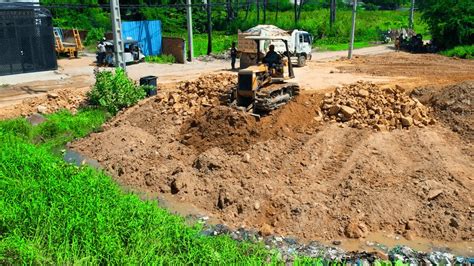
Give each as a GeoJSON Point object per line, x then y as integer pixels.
{"type": "Point", "coordinates": [114, 91]}
{"type": "Point", "coordinates": [94, 35]}
{"type": "Point", "coordinates": [161, 59]}
{"type": "Point", "coordinates": [451, 22]}
{"type": "Point", "coordinates": [466, 51]}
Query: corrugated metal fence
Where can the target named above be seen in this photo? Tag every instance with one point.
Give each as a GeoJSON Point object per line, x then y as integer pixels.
{"type": "Point", "coordinates": [147, 33]}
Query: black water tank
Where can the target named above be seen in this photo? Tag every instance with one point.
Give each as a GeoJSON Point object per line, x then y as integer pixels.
{"type": "Point", "coordinates": [150, 81]}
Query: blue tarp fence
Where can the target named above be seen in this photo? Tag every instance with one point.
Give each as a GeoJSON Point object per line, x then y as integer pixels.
{"type": "Point", "coordinates": [147, 33]}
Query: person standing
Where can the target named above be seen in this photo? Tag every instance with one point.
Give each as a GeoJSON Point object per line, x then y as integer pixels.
{"type": "Point", "coordinates": [233, 55]}
{"type": "Point", "coordinates": [101, 53]}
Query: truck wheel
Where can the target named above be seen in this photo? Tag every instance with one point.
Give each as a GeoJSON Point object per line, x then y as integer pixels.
{"type": "Point", "coordinates": [301, 61]}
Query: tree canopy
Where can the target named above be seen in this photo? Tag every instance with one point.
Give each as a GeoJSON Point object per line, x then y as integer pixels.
{"type": "Point", "coordinates": [451, 22]}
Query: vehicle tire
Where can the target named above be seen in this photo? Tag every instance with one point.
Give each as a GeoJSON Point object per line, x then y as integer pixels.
{"type": "Point", "coordinates": [301, 61]}
{"type": "Point", "coordinates": [76, 54]}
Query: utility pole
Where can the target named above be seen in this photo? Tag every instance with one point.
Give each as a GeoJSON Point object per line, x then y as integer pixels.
{"type": "Point", "coordinates": [354, 11]}
{"type": "Point", "coordinates": [332, 13]}
{"type": "Point", "coordinates": [189, 18]}
{"type": "Point", "coordinates": [258, 11]}
{"type": "Point", "coordinates": [296, 11]}
{"type": "Point", "coordinates": [209, 27]}
{"type": "Point", "coordinates": [412, 13]}
{"type": "Point", "coordinates": [117, 32]}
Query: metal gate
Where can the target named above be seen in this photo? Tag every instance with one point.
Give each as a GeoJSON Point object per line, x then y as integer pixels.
{"type": "Point", "coordinates": [26, 40]}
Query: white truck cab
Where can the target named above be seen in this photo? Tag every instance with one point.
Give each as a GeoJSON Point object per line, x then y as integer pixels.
{"type": "Point", "coordinates": [299, 43]}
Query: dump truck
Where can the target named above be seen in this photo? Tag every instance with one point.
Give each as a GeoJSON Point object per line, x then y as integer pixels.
{"type": "Point", "coordinates": [70, 48]}
{"type": "Point", "coordinates": [299, 44]}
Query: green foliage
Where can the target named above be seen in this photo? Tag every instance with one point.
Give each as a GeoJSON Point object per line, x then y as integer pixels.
{"type": "Point", "coordinates": [57, 214]}
{"type": "Point", "coordinates": [58, 128]}
{"type": "Point", "coordinates": [341, 46]}
{"type": "Point", "coordinates": [161, 59]}
{"type": "Point", "coordinates": [94, 35]}
{"type": "Point", "coordinates": [114, 91]}
{"type": "Point", "coordinates": [466, 51]}
{"type": "Point", "coordinates": [220, 41]}
{"type": "Point", "coordinates": [451, 22]}
{"type": "Point", "coordinates": [386, 4]}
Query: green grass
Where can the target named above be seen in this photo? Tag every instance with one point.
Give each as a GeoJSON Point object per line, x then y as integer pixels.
{"type": "Point", "coordinates": [466, 51]}
{"type": "Point", "coordinates": [341, 46]}
{"type": "Point", "coordinates": [58, 129]}
{"type": "Point", "coordinates": [160, 59]}
{"type": "Point", "coordinates": [221, 41]}
{"type": "Point", "coordinates": [55, 213]}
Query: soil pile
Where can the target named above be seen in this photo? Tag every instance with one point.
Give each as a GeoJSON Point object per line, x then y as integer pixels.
{"type": "Point", "coordinates": [220, 126]}
{"type": "Point", "coordinates": [190, 96]}
{"type": "Point", "coordinates": [51, 102]}
{"type": "Point", "coordinates": [296, 176]}
{"type": "Point", "coordinates": [453, 105]}
{"type": "Point", "coordinates": [365, 104]}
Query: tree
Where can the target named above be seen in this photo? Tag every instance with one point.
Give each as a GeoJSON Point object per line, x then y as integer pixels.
{"type": "Point", "coordinates": [386, 4]}
{"type": "Point", "coordinates": [451, 22]}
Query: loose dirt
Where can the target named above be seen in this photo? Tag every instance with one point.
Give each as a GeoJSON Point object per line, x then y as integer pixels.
{"type": "Point", "coordinates": [292, 173]}
{"type": "Point", "coordinates": [410, 69]}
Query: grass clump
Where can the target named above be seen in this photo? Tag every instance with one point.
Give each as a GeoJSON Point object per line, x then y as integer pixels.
{"type": "Point", "coordinates": [54, 213]}
{"type": "Point", "coordinates": [465, 51]}
{"type": "Point", "coordinates": [160, 59]}
{"type": "Point", "coordinates": [58, 129]}
{"type": "Point", "coordinates": [114, 91]}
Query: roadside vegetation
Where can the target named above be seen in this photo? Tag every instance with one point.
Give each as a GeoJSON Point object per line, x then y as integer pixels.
{"type": "Point", "coordinates": [113, 91]}
{"type": "Point", "coordinates": [160, 59]}
{"type": "Point", "coordinates": [465, 51]}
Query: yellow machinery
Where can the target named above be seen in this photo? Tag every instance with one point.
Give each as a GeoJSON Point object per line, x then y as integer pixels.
{"type": "Point", "coordinates": [72, 49]}
{"type": "Point", "coordinates": [263, 88]}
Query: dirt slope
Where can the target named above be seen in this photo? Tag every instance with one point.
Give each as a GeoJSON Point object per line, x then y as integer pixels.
{"type": "Point", "coordinates": [292, 173]}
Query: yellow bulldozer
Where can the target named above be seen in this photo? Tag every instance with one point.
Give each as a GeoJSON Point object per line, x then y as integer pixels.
{"type": "Point", "coordinates": [263, 87]}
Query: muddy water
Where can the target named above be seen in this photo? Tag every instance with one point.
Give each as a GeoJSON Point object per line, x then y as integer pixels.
{"type": "Point", "coordinates": [382, 240]}
{"type": "Point", "coordinates": [76, 158]}
{"type": "Point", "coordinates": [374, 241]}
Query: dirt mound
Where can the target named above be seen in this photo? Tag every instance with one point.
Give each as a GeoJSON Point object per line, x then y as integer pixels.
{"type": "Point", "coordinates": [453, 105]}
{"type": "Point", "coordinates": [190, 96]}
{"type": "Point", "coordinates": [220, 126]}
{"type": "Point", "coordinates": [48, 103]}
{"type": "Point", "coordinates": [365, 104]}
{"type": "Point", "coordinates": [297, 176]}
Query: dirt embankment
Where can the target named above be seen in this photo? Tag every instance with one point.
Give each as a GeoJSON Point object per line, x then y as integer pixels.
{"type": "Point", "coordinates": [293, 173]}
{"type": "Point", "coordinates": [453, 105]}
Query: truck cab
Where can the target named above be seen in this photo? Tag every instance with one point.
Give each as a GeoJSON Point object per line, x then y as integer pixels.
{"type": "Point", "coordinates": [299, 44]}
{"type": "Point", "coordinates": [302, 46]}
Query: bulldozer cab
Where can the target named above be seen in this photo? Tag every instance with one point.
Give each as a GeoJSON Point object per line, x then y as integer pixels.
{"type": "Point", "coordinates": [262, 88]}
{"type": "Point", "coordinates": [277, 69]}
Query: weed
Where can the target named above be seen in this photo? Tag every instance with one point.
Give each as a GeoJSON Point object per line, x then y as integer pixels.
{"type": "Point", "coordinates": [114, 91]}
{"type": "Point", "coordinates": [161, 59]}
{"type": "Point", "coordinates": [58, 129]}
{"type": "Point", "coordinates": [466, 51]}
